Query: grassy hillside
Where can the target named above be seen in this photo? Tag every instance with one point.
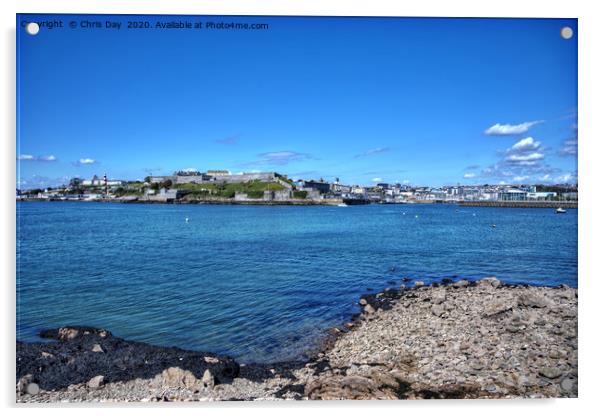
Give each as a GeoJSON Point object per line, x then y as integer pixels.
{"type": "Point", "coordinates": [254, 188]}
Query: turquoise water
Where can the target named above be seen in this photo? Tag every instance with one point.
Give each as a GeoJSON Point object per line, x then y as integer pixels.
{"type": "Point", "coordinates": [261, 283]}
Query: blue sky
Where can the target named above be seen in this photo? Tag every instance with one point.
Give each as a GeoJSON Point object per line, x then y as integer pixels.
{"type": "Point", "coordinates": [409, 100]}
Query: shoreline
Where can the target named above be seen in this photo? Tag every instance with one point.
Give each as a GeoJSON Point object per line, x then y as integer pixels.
{"type": "Point", "coordinates": [452, 339]}
{"type": "Point", "coordinates": [324, 202]}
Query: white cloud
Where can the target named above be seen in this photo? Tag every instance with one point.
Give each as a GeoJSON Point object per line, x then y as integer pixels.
{"type": "Point", "coordinates": [566, 178]}
{"type": "Point", "coordinates": [526, 144]}
{"type": "Point", "coordinates": [520, 178]}
{"type": "Point", "coordinates": [406, 181]}
{"type": "Point", "coordinates": [569, 148]}
{"type": "Point", "coordinates": [528, 158]}
{"type": "Point", "coordinates": [278, 158]}
{"type": "Point", "coordinates": [469, 175]}
{"type": "Point", "coordinates": [86, 161]}
{"type": "Point", "coordinates": [48, 158]}
{"type": "Point", "coordinates": [374, 151]}
{"type": "Point", "coordinates": [510, 129]}
{"type": "Point", "coordinates": [376, 179]}
{"type": "Point", "coordinates": [545, 177]}
{"type": "Point", "coordinates": [525, 152]}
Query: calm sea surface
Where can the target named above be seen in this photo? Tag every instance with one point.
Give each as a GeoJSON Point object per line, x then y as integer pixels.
{"type": "Point", "coordinates": [261, 283]}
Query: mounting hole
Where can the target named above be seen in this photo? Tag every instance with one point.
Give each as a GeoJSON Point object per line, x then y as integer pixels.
{"type": "Point", "coordinates": [32, 28]}
{"type": "Point", "coordinates": [566, 32]}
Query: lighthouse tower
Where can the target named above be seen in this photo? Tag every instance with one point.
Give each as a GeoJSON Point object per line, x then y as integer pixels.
{"type": "Point", "coordinates": [106, 182]}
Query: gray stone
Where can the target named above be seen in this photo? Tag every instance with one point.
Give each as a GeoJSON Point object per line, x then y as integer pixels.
{"type": "Point", "coordinates": [438, 297]}
{"type": "Point", "coordinates": [346, 388]}
{"type": "Point", "coordinates": [437, 310]}
{"type": "Point", "coordinates": [363, 302]}
{"type": "Point", "coordinates": [478, 365]}
{"type": "Point", "coordinates": [176, 377]}
{"type": "Point", "coordinates": [550, 372]}
{"type": "Point", "coordinates": [97, 348]}
{"type": "Point", "coordinates": [368, 309]}
{"type": "Point", "coordinates": [496, 307]}
{"type": "Point", "coordinates": [489, 282]}
{"type": "Point", "coordinates": [532, 300]}
{"type": "Point", "coordinates": [460, 283]}
{"type": "Point", "coordinates": [208, 380]}
{"type": "Point", "coordinates": [33, 389]}
{"type": "Point", "coordinates": [96, 382]}
{"type": "Point", "coordinates": [23, 382]}
{"type": "Point", "coordinates": [418, 284]}
{"type": "Point", "coordinates": [568, 384]}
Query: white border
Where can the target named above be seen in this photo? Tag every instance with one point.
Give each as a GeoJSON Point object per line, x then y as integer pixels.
{"type": "Point", "coordinates": [590, 30]}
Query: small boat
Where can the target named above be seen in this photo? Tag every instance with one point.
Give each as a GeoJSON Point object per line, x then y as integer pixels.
{"type": "Point", "coordinates": [560, 211]}
{"type": "Point", "coordinates": [342, 205]}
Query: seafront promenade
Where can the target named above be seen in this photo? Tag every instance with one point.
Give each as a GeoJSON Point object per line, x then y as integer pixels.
{"type": "Point", "coordinates": [521, 204]}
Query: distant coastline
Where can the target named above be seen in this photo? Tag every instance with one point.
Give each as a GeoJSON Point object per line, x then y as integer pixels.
{"type": "Point", "coordinates": [323, 202]}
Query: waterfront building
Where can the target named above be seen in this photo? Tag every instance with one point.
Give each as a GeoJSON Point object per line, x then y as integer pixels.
{"type": "Point", "coordinates": [512, 194]}
{"type": "Point", "coordinates": [322, 187]}
{"type": "Point", "coordinates": [541, 195]}
{"type": "Point", "coordinates": [96, 181]}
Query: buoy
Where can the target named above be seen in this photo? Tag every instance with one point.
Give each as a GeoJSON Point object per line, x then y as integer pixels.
{"type": "Point", "coordinates": [186, 219]}
{"type": "Point", "coordinates": [493, 225]}
{"type": "Point", "coordinates": [416, 216]}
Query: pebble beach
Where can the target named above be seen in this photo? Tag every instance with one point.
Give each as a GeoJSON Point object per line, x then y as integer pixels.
{"type": "Point", "coordinates": [448, 340]}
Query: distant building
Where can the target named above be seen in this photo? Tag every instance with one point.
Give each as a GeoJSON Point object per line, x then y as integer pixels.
{"type": "Point", "coordinates": [218, 173]}
{"type": "Point", "coordinates": [572, 196]}
{"type": "Point", "coordinates": [541, 195]}
{"type": "Point", "coordinates": [96, 181]}
{"type": "Point", "coordinates": [322, 187]}
{"type": "Point", "coordinates": [512, 195]}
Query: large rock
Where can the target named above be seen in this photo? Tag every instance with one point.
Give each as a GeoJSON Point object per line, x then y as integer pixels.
{"type": "Point", "coordinates": [23, 382]}
{"type": "Point", "coordinates": [489, 282]}
{"type": "Point", "coordinates": [438, 296]}
{"type": "Point", "coordinates": [176, 377]}
{"type": "Point", "coordinates": [369, 310]}
{"type": "Point", "coordinates": [550, 372]}
{"type": "Point", "coordinates": [347, 388]}
{"type": "Point", "coordinates": [96, 382]}
{"type": "Point", "coordinates": [69, 333]}
{"type": "Point", "coordinates": [437, 310]}
{"type": "Point", "coordinates": [33, 389]}
{"type": "Point", "coordinates": [208, 380]}
{"type": "Point", "coordinates": [461, 283]}
{"type": "Point", "coordinates": [497, 307]}
{"type": "Point", "coordinates": [532, 300]}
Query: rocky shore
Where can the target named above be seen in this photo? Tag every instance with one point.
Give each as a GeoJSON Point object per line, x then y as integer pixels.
{"type": "Point", "coordinates": [453, 339]}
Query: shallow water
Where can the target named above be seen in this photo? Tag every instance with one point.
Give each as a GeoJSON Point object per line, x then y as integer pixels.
{"type": "Point", "coordinates": [261, 283]}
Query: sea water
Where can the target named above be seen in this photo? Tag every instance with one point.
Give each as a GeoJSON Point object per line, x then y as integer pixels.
{"type": "Point", "coordinates": [261, 283]}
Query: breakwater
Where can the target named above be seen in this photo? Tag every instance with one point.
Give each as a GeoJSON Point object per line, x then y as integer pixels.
{"type": "Point", "coordinates": [520, 204]}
